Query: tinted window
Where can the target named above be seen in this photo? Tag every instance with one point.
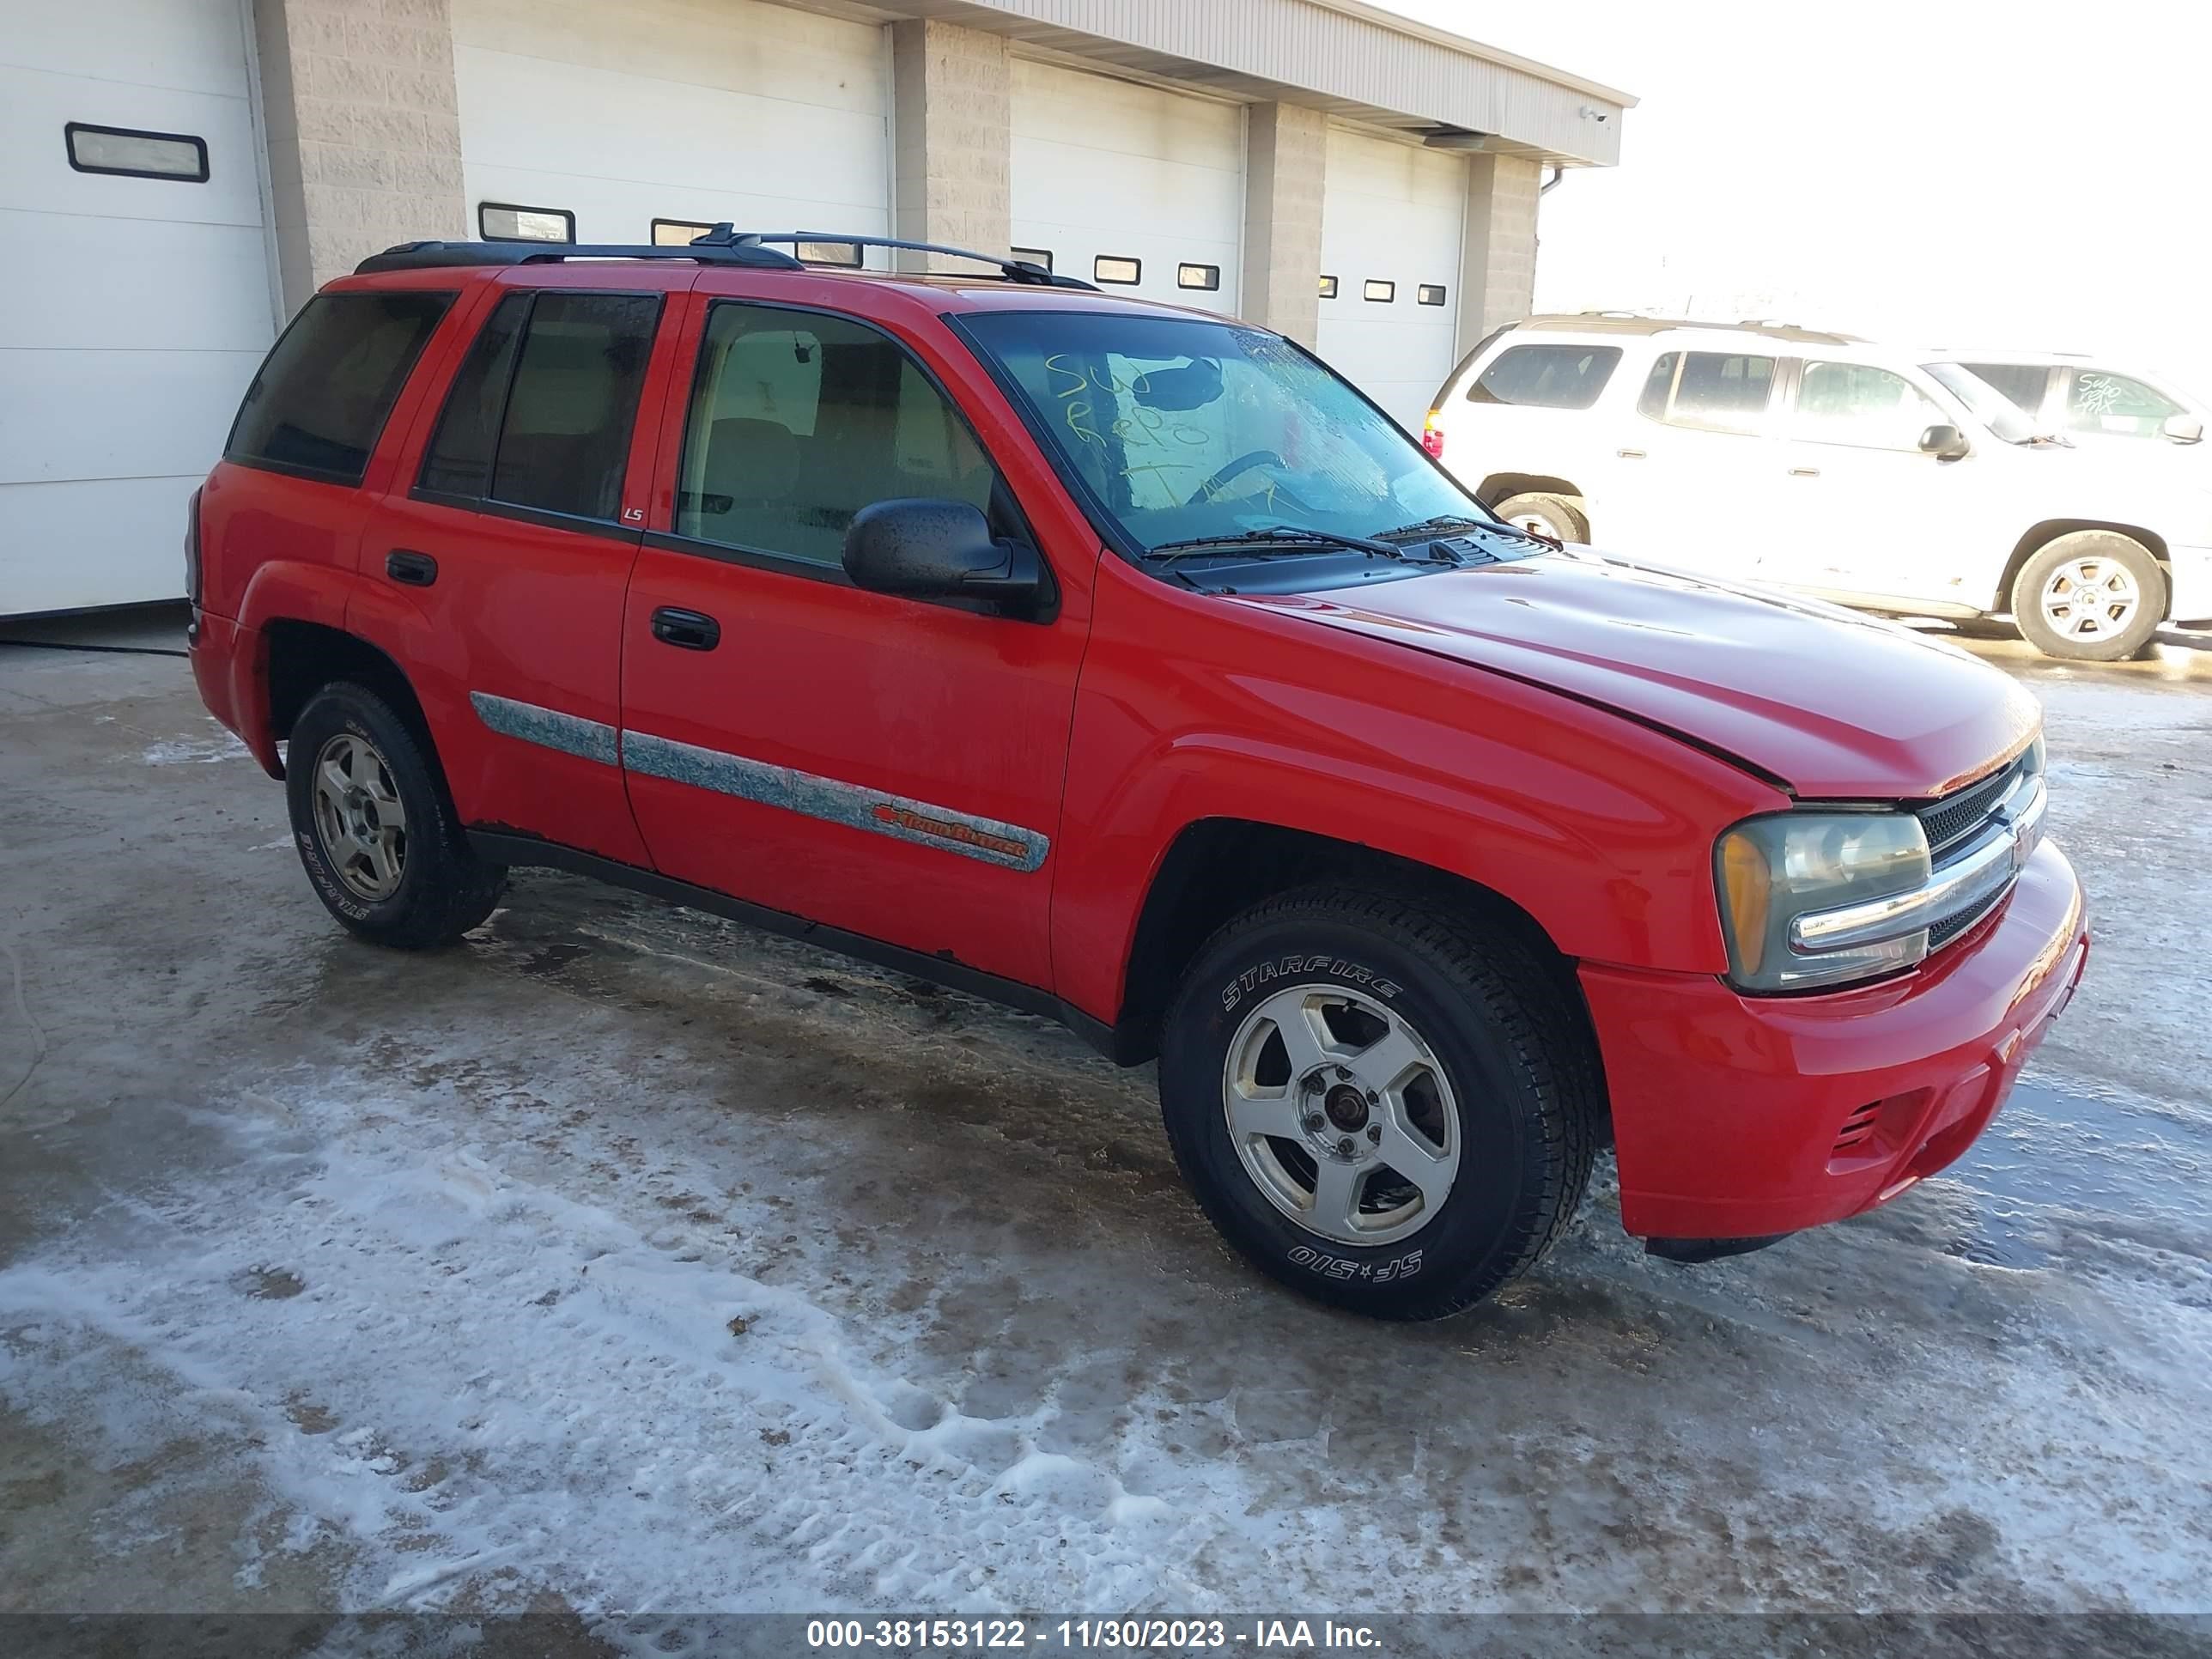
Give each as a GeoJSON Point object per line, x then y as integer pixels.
{"type": "Point", "coordinates": [570, 401]}
{"type": "Point", "coordinates": [460, 458]}
{"type": "Point", "coordinates": [1547, 376]}
{"type": "Point", "coordinates": [797, 421]}
{"type": "Point", "coordinates": [1711, 391]}
{"type": "Point", "coordinates": [2022, 384]}
{"type": "Point", "coordinates": [1857, 404]}
{"type": "Point", "coordinates": [2115, 404]}
{"type": "Point", "coordinates": [321, 398]}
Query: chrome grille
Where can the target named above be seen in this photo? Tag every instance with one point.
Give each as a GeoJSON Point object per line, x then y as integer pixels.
{"type": "Point", "coordinates": [1960, 815]}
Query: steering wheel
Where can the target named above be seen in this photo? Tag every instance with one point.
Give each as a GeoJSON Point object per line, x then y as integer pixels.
{"type": "Point", "coordinates": [1235, 470]}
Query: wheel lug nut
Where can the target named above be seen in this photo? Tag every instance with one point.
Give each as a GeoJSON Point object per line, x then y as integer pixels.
{"type": "Point", "coordinates": [1313, 1120]}
{"type": "Point", "coordinates": [1374, 1133]}
{"type": "Point", "coordinates": [1374, 1099]}
{"type": "Point", "coordinates": [1344, 1147]}
{"type": "Point", "coordinates": [1344, 1074]}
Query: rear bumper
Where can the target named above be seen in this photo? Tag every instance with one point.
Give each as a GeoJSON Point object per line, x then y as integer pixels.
{"type": "Point", "coordinates": [1736, 1117]}
{"type": "Point", "coordinates": [229, 663]}
{"type": "Point", "coordinates": [2189, 578]}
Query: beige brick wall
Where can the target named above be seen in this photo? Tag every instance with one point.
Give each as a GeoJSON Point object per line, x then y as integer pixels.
{"type": "Point", "coordinates": [363, 131]}
{"type": "Point", "coordinates": [1286, 165]}
{"type": "Point", "coordinates": [1499, 273]}
{"type": "Point", "coordinates": [952, 127]}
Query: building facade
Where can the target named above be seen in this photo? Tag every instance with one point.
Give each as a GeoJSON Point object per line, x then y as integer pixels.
{"type": "Point", "coordinates": [178, 175]}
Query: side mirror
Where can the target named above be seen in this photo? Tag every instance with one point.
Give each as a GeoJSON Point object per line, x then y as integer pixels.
{"type": "Point", "coordinates": [2184, 429]}
{"type": "Point", "coordinates": [933, 550]}
{"type": "Point", "coordinates": [1945, 442]}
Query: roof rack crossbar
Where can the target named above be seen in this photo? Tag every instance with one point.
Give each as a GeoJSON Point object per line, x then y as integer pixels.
{"type": "Point", "coordinates": [1014, 271]}
{"type": "Point", "coordinates": [429, 256]}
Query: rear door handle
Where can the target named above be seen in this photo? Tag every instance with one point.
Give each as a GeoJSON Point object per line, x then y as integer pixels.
{"type": "Point", "coordinates": [1804, 472]}
{"type": "Point", "coordinates": [405, 564]}
{"type": "Point", "coordinates": [1630, 454]}
{"type": "Point", "coordinates": [692, 630]}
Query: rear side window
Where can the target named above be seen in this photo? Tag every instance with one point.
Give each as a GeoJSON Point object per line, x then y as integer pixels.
{"type": "Point", "coordinates": [2114, 404]}
{"type": "Point", "coordinates": [1709, 391]}
{"type": "Point", "coordinates": [1547, 376]}
{"type": "Point", "coordinates": [541, 413]}
{"type": "Point", "coordinates": [320, 401]}
{"type": "Point", "coordinates": [799, 421]}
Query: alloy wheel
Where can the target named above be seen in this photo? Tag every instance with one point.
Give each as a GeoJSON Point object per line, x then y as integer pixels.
{"type": "Point", "coordinates": [1341, 1115]}
{"type": "Point", "coordinates": [364, 826]}
{"type": "Point", "coordinates": [2090, 598]}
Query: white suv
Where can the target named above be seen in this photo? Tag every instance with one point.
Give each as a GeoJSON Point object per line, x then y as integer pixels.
{"type": "Point", "coordinates": [1819, 462]}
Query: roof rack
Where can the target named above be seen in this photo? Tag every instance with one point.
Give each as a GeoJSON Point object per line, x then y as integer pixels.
{"type": "Point", "coordinates": [425, 256]}
{"type": "Point", "coordinates": [1014, 271]}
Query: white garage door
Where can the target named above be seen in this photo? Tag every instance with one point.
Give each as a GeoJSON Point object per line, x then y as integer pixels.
{"type": "Point", "coordinates": [1390, 222]}
{"type": "Point", "coordinates": [603, 119]}
{"type": "Point", "coordinates": [133, 310]}
{"type": "Point", "coordinates": [1139, 190]}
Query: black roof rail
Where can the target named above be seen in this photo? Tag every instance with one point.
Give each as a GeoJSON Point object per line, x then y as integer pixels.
{"type": "Point", "coordinates": [430, 256]}
{"type": "Point", "coordinates": [1014, 271]}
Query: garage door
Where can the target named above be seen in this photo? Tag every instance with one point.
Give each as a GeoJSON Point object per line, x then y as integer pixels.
{"type": "Point", "coordinates": [1390, 224]}
{"type": "Point", "coordinates": [134, 295]}
{"type": "Point", "coordinates": [1139, 190]}
{"type": "Point", "coordinates": [586, 122]}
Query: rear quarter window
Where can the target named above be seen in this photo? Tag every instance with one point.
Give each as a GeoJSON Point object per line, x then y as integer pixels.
{"type": "Point", "coordinates": [1547, 376]}
{"type": "Point", "coordinates": [320, 402]}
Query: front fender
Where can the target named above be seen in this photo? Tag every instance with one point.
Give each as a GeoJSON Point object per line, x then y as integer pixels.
{"type": "Point", "coordinates": [1600, 828]}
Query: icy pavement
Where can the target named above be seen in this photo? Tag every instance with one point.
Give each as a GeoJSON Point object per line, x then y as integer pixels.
{"type": "Point", "coordinates": [629, 1259]}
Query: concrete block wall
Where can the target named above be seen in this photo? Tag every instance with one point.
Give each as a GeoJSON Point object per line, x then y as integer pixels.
{"type": "Point", "coordinates": [1498, 261]}
{"type": "Point", "coordinates": [952, 123]}
{"type": "Point", "coordinates": [1285, 169]}
{"type": "Point", "coordinates": [363, 131]}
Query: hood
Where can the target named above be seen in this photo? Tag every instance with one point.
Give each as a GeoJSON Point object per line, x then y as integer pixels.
{"type": "Point", "coordinates": [1831, 703]}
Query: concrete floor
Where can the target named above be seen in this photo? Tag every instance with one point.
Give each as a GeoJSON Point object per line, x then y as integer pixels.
{"type": "Point", "coordinates": [625, 1262]}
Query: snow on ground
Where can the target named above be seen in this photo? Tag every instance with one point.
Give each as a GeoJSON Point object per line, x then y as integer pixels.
{"type": "Point", "coordinates": [628, 1257]}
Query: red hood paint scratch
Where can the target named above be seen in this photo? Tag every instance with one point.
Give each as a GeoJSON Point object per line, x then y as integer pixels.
{"type": "Point", "coordinates": [1838, 705]}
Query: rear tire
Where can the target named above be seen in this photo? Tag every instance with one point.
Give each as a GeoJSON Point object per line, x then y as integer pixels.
{"type": "Point", "coordinates": [1563, 518]}
{"type": "Point", "coordinates": [2090, 596]}
{"type": "Point", "coordinates": [1469, 1145]}
{"type": "Point", "coordinates": [375, 827]}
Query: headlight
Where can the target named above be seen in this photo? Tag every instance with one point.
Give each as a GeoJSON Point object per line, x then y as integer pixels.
{"type": "Point", "coordinates": [1773, 870]}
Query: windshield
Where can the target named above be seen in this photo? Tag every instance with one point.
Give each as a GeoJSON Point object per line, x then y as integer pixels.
{"type": "Point", "coordinates": [1181, 428]}
{"type": "Point", "coordinates": [1985, 403]}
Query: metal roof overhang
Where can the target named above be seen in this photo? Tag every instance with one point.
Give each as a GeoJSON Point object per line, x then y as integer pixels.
{"type": "Point", "coordinates": [1349, 59]}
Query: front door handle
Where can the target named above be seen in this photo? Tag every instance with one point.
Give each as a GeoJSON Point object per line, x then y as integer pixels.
{"type": "Point", "coordinates": [405, 564]}
{"type": "Point", "coordinates": [1630, 454]}
{"type": "Point", "coordinates": [1804, 472]}
{"type": "Point", "coordinates": [692, 630]}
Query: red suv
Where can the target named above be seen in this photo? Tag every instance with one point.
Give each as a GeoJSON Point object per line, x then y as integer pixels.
{"type": "Point", "coordinates": [1124, 662]}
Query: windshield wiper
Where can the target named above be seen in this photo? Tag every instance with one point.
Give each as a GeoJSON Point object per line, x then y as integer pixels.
{"type": "Point", "coordinates": [1286, 536]}
{"type": "Point", "coordinates": [1460, 522]}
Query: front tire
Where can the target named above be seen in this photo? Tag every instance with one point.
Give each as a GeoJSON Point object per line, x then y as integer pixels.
{"type": "Point", "coordinates": [376, 828]}
{"type": "Point", "coordinates": [1563, 518]}
{"type": "Point", "coordinates": [1377, 1102]}
{"type": "Point", "coordinates": [2090, 596]}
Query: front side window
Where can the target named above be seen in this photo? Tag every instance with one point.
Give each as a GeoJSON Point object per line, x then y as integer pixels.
{"type": "Point", "coordinates": [321, 399]}
{"type": "Point", "coordinates": [1547, 376]}
{"type": "Point", "coordinates": [541, 412]}
{"type": "Point", "coordinates": [2116, 405]}
{"type": "Point", "coordinates": [1859, 404]}
{"type": "Point", "coordinates": [1180, 427]}
{"type": "Point", "coordinates": [797, 421]}
{"type": "Point", "coordinates": [1709, 391]}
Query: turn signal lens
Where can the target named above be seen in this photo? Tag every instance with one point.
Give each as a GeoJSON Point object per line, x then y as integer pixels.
{"type": "Point", "coordinates": [1750, 887]}
{"type": "Point", "coordinates": [1432, 435]}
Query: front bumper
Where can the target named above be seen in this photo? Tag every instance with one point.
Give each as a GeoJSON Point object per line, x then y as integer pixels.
{"type": "Point", "coordinates": [2188, 581]}
{"type": "Point", "coordinates": [1736, 1117]}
